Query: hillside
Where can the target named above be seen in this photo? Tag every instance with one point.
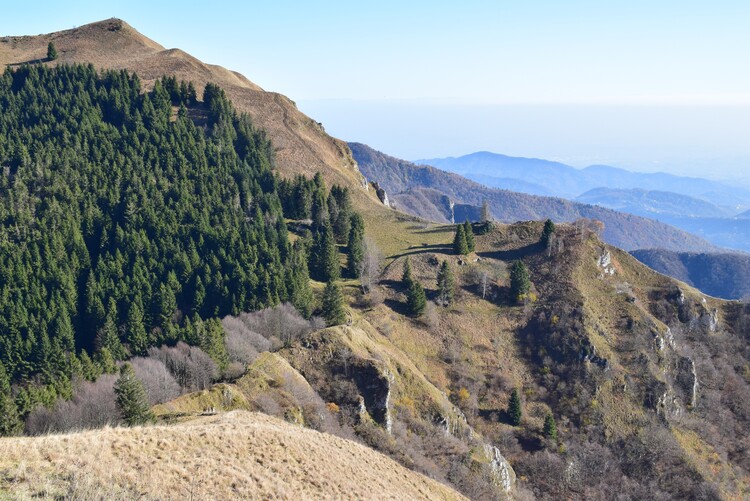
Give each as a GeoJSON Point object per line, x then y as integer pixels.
{"type": "Point", "coordinates": [724, 275]}
{"type": "Point", "coordinates": [233, 455]}
{"type": "Point", "coordinates": [152, 227]}
{"type": "Point", "coordinates": [405, 181]}
{"type": "Point", "coordinates": [646, 378]}
{"type": "Point", "coordinates": [301, 144]}
{"type": "Point", "coordinates": [569, 182]}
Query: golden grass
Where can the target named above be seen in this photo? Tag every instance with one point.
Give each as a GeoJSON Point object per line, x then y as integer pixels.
{"type": "Point", "coordinates": [238, 455]}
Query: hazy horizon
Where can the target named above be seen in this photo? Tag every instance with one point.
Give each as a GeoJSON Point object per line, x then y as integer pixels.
{"type": "Point", "coordinates": [675, 139]}
{"type": "Point", "coordinates": [639, 85]}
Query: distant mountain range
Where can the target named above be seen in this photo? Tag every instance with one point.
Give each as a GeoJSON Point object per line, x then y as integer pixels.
{"type": "Point", "coordinates": [709, 209]}
{"type": "Point", "coordinates": [558, 179]}
{"type": "Point", "coordinates": [443, 196]}
{"type": "Point", "coordinates": [653, 204]}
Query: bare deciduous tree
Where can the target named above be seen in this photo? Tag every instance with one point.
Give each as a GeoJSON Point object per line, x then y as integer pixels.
{"type": "Point", "coordinates": [159, 383]}
{"type": "Point", "coordinates": [369, 268]}
{"type": "Point", "coordinates": [191, 367]}
{"type": "Point", "coordinates": [93, 406]}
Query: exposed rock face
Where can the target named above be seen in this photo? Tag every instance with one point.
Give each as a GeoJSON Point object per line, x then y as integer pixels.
{"type": "Point", "coordinates": [499, 469]}
{"type": "Point", "coordinates": [382, 195]}
{"type": "Point", "coordinates": [710, 320]}
{"type": "Point", "coordinates": [502, 472]}
{"type": "Point", "coordinates": [605, 263]}
{"type": "Point", "coordinates": [686, 381]}
{"type": "Point", "coordinates": [374, 385]}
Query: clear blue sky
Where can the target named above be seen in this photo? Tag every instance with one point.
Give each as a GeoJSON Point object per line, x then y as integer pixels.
{"type": "Point", "coordinates": [460, 76]}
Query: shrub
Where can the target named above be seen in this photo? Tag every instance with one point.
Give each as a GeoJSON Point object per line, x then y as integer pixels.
{"type": "Point", "coordinates": [191, 367]}
{"type": "Point", "coordinates": [279, 325]}
{"type": "Point", "coordinates": [93, 406]}
{"type": "Point", "coordinates": [158, 382]}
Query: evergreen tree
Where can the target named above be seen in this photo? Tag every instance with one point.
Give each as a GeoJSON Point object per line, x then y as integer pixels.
{"type": "Point", "coordinates": [109, 335]}
{"type": "Point", "coordinates": [469, 234]}
{"type": "Point", "coordinates": [549, 229]}
{"type": "Point", "coordinates": [406, 278]}
{"type": "Point", "coordinates": [325, 256]}
{"type": "Point", "coordinates": [550, 427]}
{"type": "Point", "coordinates": [446, 284]}
{"type": "Point", "coordinates": [333, 305]}
{"type": "Point", "coordinates": [355, 248]}
{"type": "Point", "coordinates": [132, 399]}
{"type": "Point", "coordinates": [460, 246]}
{"type": "Point", "coordinates": [299, 281]}
{"type": "Point", "coordinates": [416, 301]}
{"type": "Point", "coordinates": [51, 51]}
{"type": "Point", "coordinates": [519, 281]}
{"type": "Point", "coordinates": [136, 331]}
{"type": "Point", "coordinates": [343, 220]}
{"type": "Point", "coordinates": [10, 424]}
{"type": "Point", "coordinates": [514, 408]}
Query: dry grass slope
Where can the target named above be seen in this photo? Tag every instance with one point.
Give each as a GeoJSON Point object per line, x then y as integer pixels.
{"type": "Point", "coordinates": [238, 455]}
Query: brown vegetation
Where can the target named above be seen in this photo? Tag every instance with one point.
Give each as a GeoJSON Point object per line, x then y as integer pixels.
{"type": "Point", "coordinates": [232, 456]}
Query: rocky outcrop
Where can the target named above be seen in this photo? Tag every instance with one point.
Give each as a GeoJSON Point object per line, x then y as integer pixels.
{"type": "Point", "coordinates": [382, 195]}
{"type": "Point", "coordinates": [605, 263]}
{"type": "Point", "coordinates": [374, 385]}
{"type": "Point", "coordinates": [499, 469]}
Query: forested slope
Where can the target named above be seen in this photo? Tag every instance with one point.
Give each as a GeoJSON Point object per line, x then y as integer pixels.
{"type": "Point", "coordinates": [129, 220]}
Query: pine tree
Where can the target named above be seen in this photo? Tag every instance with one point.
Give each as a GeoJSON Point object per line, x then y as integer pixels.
{"type": "Point", "coordinates": [519, 281]}
{"type": "Point", "coordinates": [136, 331]}
{"type": "Point", "coordinates": [550, 427]}
{"type": "Point", "coordinates": [514, 408]}
{"type": "Point", "coordinates": [549, 229]}
{"type": "Point", "coordinates": [355, 248]}
{"type": "Point", "coordinates": [460, 246]}
{"type": "Point", "coordinates": [10, 423]}
{"type": "Point", "coordinates": [325, 256]}
{"type": "Point", "coordinates": [343, 221]}
{"type": "Point", "coordinates": [469, 234]}
{"type": "Point", "coordinates": [416, 301]}
{"type": "Point", "coordinates": [51, 51]}
{"type": "Point", "coordinates": [109, 335]}
{"type": "Point", "coordinates": [446, 284]}
{"type": "Point", "coordinates": [406, 278]}
{"type": "Point", "coordinates": [333, 305]}
{"type": "Point", "coordinates": [132, 399]}
{"type": "Point", "coordinates": [299, 281]}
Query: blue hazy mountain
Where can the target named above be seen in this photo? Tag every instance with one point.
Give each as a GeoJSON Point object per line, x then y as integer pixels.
{"type": "Point", "coordinates": [558, 179]}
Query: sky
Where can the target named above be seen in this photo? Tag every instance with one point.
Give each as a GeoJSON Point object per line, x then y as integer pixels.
{"type": "Point", "coordinates": [647, 85]}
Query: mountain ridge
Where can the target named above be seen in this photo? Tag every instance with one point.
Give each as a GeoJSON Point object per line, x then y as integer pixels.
{"type": "Point", "coordinates": [626, 231]}
{"type": "Point", "coordinates": [301, 144]}
{"type": "Point", "coordinates": [570, 182]}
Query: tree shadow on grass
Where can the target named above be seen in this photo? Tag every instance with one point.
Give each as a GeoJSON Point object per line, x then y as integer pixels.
{"type": "Point", "coordinates": [30, 61]}
{"type": "Point", "coordinates": [426, 249]}
{"type": "Point", "coordinates": [513, 254]}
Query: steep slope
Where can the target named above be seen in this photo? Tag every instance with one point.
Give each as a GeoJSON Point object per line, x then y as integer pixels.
{"type": "Point", "coordinates": [724, 275]}
{"type": "Point", "coordinates": [569, 182]}
{"type": "Point", "coordinates": [404, 180]}
{"type": "Point", "coordinates": [230, 456]}
{"type": "Point", "coordinates": [301, 144]}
